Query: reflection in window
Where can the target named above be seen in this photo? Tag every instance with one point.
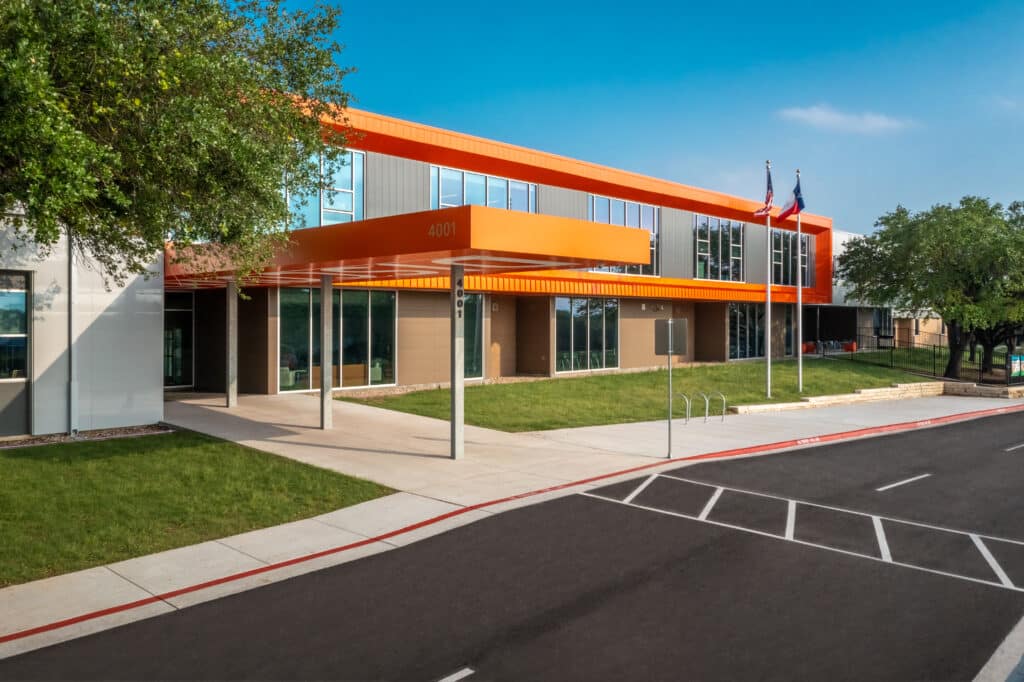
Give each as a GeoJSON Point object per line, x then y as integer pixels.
{"type": "Point", "coordinates": [718, 248]}
{"type": "Point", "coordinates": [340, 202]}
{"type": "Point", "coordinates": [14, 297]}
{"type": "Point", "coordinates": [784, 255]}
{"type": "Point", "coordinates": [586, 333]}
{"type": "Point", "coordinates": [746, 330]}
{"type": "Point", "coordinates": [473, 350]}
{"type": "Point", "coordinates": [630, 214]}
{"type": "Point", "coordinates": [363, 334]}
{"type": "Point", "coordinates": [450, 187]}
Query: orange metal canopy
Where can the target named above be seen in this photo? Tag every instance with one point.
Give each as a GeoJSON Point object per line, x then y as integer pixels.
{"type": "Point", "coordinates": [486, 241]}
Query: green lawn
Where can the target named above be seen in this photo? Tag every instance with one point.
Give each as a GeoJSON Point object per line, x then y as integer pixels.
{"type": "Point", "coordinates": [69, 506]}
{"type": "Point", "coordinates": [618, 398]}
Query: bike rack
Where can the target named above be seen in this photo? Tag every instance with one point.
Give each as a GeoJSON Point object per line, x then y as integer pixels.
{"type": "Point", "coordinates": [722, 396]}
{"type": "Point", "coordinates": [687, 399]}
{"type": "Point", "coordinates": [707, 403]}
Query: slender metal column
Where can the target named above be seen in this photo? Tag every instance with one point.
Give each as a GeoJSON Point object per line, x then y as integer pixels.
{"type": "Point", "coordinates": [768, 311]}
{"type": "Point", "coordinates": [326, 351]}
{"type": "Point", "coordinates": [458, 362]}
{"type": "Point", "coordinates": [231, 350]}
{"type": "Point", "coordinates": [799, 302]}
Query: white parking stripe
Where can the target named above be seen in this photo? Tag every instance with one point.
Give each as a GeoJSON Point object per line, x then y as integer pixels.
{"type": "Point", "coordinates": [883, 543]}
{"type": "Point", "coordinates": [710, 505]}
{"type": "Point", "coordinates": [790, 519]}
{"type": "Point", "coordinates": [460, 675]}
{"type": "Point", "coordinates": [805, 543]}
{"type": "Point", "coordinates": [1015, 447]}
{"type": "Point", "coordinates": [993, 564]}
{"type": "Point", "coordinates": [899, 483]}
{"type": "Point", "coordinates": [640, 488]}
{"type": "Point", "coordinates": [846, 511]}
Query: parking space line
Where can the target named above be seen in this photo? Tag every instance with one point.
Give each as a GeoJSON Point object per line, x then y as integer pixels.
{"type": "Point", "coordinates": [640, 488]}
{"type": "Point", "coordinates": [992, 563]}
{"type": "Point", "coordinates": [710, 505]}
{"type": "Point", "coordinates": [806, 543]}
{"type": "Point", "coordinates": [790, 519]}
{"type": "Point", "coordinates": [883, 543]}
{"type": "Point", "coordinates": [845, 511]}
{"type": "Point", "coordinates": [899, 483]}
{"type": "Point", "coordinates": [456, 676]}
{"type": "Point", "coordinates": [1015, 447]}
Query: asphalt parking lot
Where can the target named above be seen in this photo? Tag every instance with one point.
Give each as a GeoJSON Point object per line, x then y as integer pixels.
{"type": "Point", "coordinates": [900, 557]}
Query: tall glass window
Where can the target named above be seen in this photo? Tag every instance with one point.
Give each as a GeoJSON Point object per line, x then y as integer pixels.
{"type": "Point", "coordinates": [178, 328]}
{"type": "Point", "coordinates": [451, 187]}
{"type": "Point", "coordinates": [746, 330]}
{"type": "Point", "coordinates": [14, 297]}
{"type": "Point", "coordinates": [340, 202]}
{"type": "Point", "coordinates": [473, 350]}
{"type": "Point", "coordinates": [630, 214]}
{"type": "Point", "coordinates": [363, 338]}
{"type": "Point", "coordinates": [784, 258]}
{"type": "Point", "coordinates": [586, 333]}
{"type": "Point", "coordinates": [718, 248]}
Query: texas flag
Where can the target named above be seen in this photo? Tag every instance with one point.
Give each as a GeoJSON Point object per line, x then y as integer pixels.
{"type": "Point", "coordinates": [795, 203]}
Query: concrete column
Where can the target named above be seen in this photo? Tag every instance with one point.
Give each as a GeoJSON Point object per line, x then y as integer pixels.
{"type": "Point", "coordinates": [326, 351]}
{"type": "Point", "coordinates": [458, 345]}
{"type": "Point", "coordinates": [231, 334]}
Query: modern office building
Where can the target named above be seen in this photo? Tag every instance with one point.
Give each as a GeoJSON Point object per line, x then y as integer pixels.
{"type": "Point", "coordinates": [566, 266]}
{"type": "Point", "coordinates": [545, 307]}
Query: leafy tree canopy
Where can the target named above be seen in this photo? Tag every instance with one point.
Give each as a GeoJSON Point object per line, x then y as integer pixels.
{"type": "Point", "coordinates": [124, 123]}
{"type": "Point", "coordinates": [965, 262]}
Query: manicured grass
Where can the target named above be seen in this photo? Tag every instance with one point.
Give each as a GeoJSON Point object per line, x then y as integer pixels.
{"type": "Point", "coordinates": [69, 506]}
{"type": "Point", "coordinates": [620, 398]}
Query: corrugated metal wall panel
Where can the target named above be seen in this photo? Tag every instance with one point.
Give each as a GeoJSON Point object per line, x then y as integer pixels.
{"type": "Point", "coordinates": [676, 243]}
{"type": "Point", "coordinates": [395, 185]}
{"type": "Point", "coordinates": [565, 203]}
{"type": "Point", "coordinates": [755, 263]}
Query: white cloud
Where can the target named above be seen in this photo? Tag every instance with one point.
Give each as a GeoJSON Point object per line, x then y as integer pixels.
{"type": "Point", "coordinates": [1006, 103]}
{"type": "Point", "coordinates": [825, 117]}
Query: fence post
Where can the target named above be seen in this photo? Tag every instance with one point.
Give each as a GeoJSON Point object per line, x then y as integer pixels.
{"type": "Point", "coordinates": [935, 362]}
{"type": "Point", "coordinates": [892, 353]}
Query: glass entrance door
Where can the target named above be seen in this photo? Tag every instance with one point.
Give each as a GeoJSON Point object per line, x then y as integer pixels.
{"type": "Point", "coordinates": [178, 331]}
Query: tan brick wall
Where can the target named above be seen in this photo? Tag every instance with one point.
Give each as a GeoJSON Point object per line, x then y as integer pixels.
{"type": "Point", "coordinates": [500, 336]}
{"type": "Point", "coordinates": [712, 332]}
{"type": "Point", "coordinates": [423, 331]}
{"type": "Point", "coordinates": [534, 348]}
{"type": "Point", "coordinates": [636, 331]}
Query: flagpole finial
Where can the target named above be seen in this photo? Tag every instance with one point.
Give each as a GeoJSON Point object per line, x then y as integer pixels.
{"type": "Point", "coordinates": [798, 171]}
{"type": "Point", "coordinates": [768, 163]}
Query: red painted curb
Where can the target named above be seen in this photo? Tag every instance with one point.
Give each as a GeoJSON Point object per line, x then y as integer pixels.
{"type": "Point", "coordinates": [722, 454]}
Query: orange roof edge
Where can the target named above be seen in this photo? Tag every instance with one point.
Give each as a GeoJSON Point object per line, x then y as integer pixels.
{"type": "Point", "coordinates": [384, 134]}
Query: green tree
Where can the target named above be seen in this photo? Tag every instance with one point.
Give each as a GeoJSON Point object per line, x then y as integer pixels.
{"type": "Point", "coordinates": [964, 262]}
{"type": "Point", "coordinates": [125, 123]}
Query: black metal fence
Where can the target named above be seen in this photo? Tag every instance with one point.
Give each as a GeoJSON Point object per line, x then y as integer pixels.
{"type": "Point", "coordinates": [931, 359]}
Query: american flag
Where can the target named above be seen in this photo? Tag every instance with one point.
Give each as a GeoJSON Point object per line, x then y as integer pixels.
{"type": "Point", "coordinates": [768, 196]}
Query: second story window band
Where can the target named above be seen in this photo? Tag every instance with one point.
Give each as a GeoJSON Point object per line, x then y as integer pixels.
{"type": "Point", "coordinates": [628, 214]}
{"type": "Point", "coordinates": [718, 248]}
{"type": "Point", "coordinates": [450, 187]}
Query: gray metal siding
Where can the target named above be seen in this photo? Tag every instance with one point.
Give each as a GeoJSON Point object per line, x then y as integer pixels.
{"type": "Point", "coordinates": [676, 243]}
{"type": "Point", "coordinates": [13, 408]}
{"type": "Point", "coordinates": [395, 185]}
{"type": "Point", "coordinates": [755, 246]}
{"type": "Point", "coordinates": [565, 203]}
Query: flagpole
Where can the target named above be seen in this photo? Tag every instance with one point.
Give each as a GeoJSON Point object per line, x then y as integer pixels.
{"type": "Point", "coordinates": [768, 304]}
{"type": "Point", "coordinates": [799, 301]}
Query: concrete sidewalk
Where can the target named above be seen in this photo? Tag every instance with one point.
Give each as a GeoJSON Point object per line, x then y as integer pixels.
{"type": "Point", "coordinates": [408, 453]}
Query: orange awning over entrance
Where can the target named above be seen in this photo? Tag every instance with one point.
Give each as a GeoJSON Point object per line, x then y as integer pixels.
{"type": "Point", "coordinates": [485, 241]}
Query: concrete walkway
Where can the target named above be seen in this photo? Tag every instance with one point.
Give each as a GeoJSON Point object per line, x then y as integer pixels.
{"type": "Point", "coordinates": [407, 453]}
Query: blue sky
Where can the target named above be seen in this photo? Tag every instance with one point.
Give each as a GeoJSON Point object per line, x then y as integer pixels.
{"type": "Point", "coordinates": [878, 103]}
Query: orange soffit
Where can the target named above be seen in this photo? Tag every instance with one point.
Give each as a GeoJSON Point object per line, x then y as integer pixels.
{"type": "Point", "coordinates": [386, 135]}
{"type": "Point", "coordinates": [427, 244]}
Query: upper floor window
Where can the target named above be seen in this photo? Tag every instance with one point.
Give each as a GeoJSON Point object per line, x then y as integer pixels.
{"type": "Point", "coordinates": [450, 187]}
{"type": "Point", "coordinates": [14, 326]}
{"type": "Point", "coordinates": [629, 214]}
{"type": "Point", "coordinates": [341, 202]}
{"type": "Point", "coordinates": [718, 248]}
{"type": "Point", "coordinates": [784, 258]}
